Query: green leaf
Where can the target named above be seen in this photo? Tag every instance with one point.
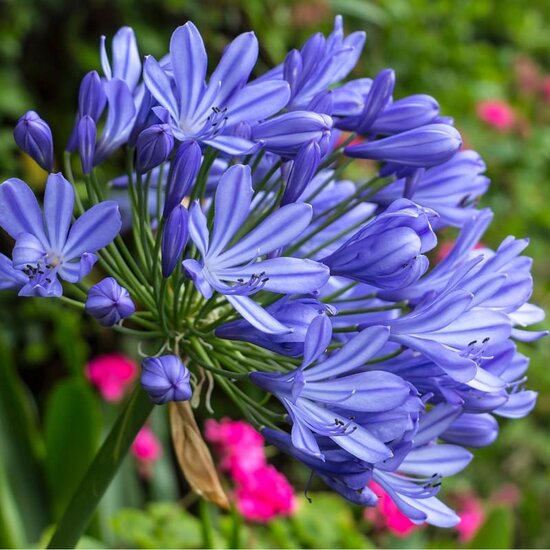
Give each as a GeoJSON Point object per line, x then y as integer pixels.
{"type": "Point", "coordinates": [71, 430]}
{"type": "Point", "coordinates": [22, 448]}
{"type": "Point", "coordinates": [497, 531]}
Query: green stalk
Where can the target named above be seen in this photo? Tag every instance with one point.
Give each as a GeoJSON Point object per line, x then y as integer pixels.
{"type": "Point", "coordinates": [79, 512]}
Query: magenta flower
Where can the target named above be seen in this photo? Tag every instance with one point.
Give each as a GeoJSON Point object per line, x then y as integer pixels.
{"type": "Point", "coordinates": [266, 495]}
{"type": "Point", "coordinates": [496, 113]}
{"type": "Point", "coordinates": [112, 374]}
{"type": "Point", "coordinates": [386, 516]}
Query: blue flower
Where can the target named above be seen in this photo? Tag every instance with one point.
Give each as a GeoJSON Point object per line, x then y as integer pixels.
{"type": "Point", "coordinates": [207, 112]}
{"type": "Point", "coordinates": [47, 246]}
{"type": "Point", "coordinates": [389, 251]}
{"type": "Point", "coordinates": [328, 398]}
{"type": "Point", "coordinates": [237, 271]}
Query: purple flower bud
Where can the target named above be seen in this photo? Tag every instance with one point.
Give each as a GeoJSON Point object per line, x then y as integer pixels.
{"type": "Point", "coordinates": [86, 142]}
{"type": "Point", "coordinates": [183, 171]}
{"type": "Point", "coordinates": [154, 144]}
{"type": "Point", "coordinates": [34, 137]}
{"type": "Point", "coordinates": [91, 96]}
{"type": "Point", "coordinates": [292, 70]}
{"type": "Point", "coordinates": [303, 169]}
{"type": "Point", "coordinates": [406, 114]}
{"type": "Point", "coordinates": [425, 146]}
{"type": "Point", "coordinates": [108, 302]}
{"type": "Point", "coordinates": [285, 134]}
{"type": "Point", "coordinates": [165, 379]}
{"type": "Point", "coordinates": [174, 239]}
{"type": "Point", "coordinates": [377, 99]}
{"type": "Point", "coordinates": [388, 251]}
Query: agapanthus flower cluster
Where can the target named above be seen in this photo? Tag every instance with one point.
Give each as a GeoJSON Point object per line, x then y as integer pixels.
{"type": "Point", "coordinates": [253, 261]}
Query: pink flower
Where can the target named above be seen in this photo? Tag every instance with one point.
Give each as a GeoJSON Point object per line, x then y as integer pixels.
{"type": "Point", "coordinates": [262, 493]}
{"type": "Point", "coordinates": [496, 113]}
{"type": "Point", "coordinates": [146, 445]}
{"type": "Point", "coordinates": [239, 445]}
{"type": "Point", "coordinates": [386, 516]}
{"type": "Point", "coordinates": [111, 374]}
{"type": "Point", "coordinates": [265, 495]}
{"type": "Point", "coordinates": [471, 515]}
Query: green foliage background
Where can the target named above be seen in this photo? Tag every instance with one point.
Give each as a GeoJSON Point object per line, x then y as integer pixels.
{"type": "Point", "coordinates": [456, 50]}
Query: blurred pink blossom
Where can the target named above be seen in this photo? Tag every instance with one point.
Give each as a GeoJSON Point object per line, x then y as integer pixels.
{"type": "Point", "coordinates": [147, 449]}
{"type": "Point", "coordinates": [508, 495]}
{"type": "Point", "coordinates": [111, 374]}
{"type": "Point", "coordinates": [264, 495]}
{"type": "Point", "coordinates": [239, 445]}
{"type": "Point", "coordinates": [496, 113]}
{"type": "Point", "coordinates": [146, 445]}
{"type": "Point", "coordinates": [386, 516]}
{"type": "Point", "coordinates": [472, 516]}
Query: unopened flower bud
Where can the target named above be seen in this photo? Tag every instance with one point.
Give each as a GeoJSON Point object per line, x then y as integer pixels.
{"type": "Point", "coordinates": [183, 172]}
{"type": "Point", "coordinates": [165, 379]}
{"type": "Point", "coordinates": [34, 137]}
{"type": "Point", "coordinates": [154, 145]}
{"type": "Point", "coordinates": [425, 146]}
{"type": "Point", "coordinates": [108, 302]}
{"type": "Point", "coordinates": [174, 239]}
{"type": "Point", "coordinates": [86, 133]}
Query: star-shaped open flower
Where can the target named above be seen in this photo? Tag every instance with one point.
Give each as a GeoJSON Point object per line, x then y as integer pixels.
{"type": "Point", "coordinates": [46, 245]}
{"type": "Point", "coordinates": [240, 269]}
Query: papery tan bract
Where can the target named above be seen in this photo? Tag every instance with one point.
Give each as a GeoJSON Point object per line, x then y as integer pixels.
{"type": "Point", "coordinates": [194, 456]}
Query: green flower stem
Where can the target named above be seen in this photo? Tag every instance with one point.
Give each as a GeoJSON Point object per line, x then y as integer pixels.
{"type": "Point", "coordinates": [102, 470]}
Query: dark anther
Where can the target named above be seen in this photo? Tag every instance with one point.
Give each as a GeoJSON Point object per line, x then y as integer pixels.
{"type": "Point", "coordinates": [485, 340]}
{"type": "Point", "coordinates": [473, 343]}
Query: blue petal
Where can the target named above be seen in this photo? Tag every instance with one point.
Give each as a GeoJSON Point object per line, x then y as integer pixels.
{"type": "Point", "coordinates": [256, 315]}
{"type": "Point", "coordinates": [372, 391]}
{"type": "Point", "coordinates": [126, 58]}
{"type": "Point", "coordinates": [445, 460]}
{"type": "Point", "coordinates": [19, 211]}
{"type": "Point", "coordinates": [159, 85]}
{"type": "Point", "coordinates": [10, 278]}
{"type": "Point", "coordinates": [58, 209]}
{"type": "Point", "coordinates": [198, 229]}
{"type": "Point", "coordinates": [354, 354]}
{"type": "Point", "coordinates": [120, 119]}
{"type": "Point", "coordinates": [282, 275]}
{"type": "Point", "coordinates": [235, 67]}
{"type": "Point", "coordinates": [256, 102]}
{"type": "Point", "coordinates": [232, 206]}
{"type": "Point", "coordinates": [95, 229]}
{"type": "Point", "coordinates": [278, 230]}
{"type": "Point", "coordinates": [318, 337]}
{"type": "Point", "coordinates": [27, 250]}
{"type": "Point", "coordinates": [189, 61]}
{"type": "Point", "coordinates": [75, 271]}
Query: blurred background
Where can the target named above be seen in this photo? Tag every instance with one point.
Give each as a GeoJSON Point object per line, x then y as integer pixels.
{"type": "Point", "coordinates": [487, 62]}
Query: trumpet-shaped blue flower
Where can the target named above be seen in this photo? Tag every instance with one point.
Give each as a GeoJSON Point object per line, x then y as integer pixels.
{"type": "Point", "coordinates": [325, 399]}
{"type": "Point", "coordinates": [47, 246]}
{"type": "Point", "coordinates": [236, 271]}
{"type": "Point", "coordinates": [389, 251]}
{"type": "Point", "coordinates": [206, 113]}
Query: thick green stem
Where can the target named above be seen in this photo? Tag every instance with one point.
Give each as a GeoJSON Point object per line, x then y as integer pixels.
{"type": "Point", "coordinates": [102, 470]}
